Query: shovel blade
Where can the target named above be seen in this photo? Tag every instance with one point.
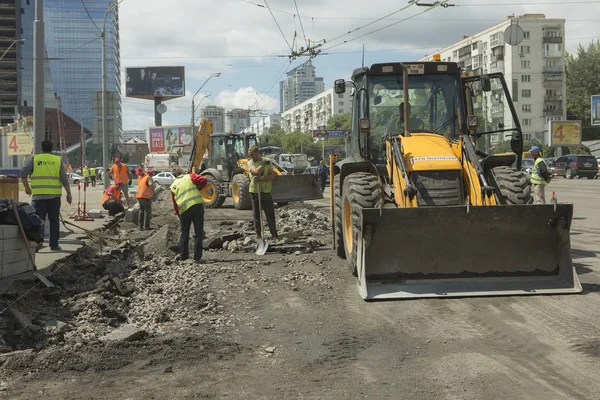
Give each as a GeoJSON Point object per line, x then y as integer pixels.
{"type": "Point", "coordinates": [262, 248]}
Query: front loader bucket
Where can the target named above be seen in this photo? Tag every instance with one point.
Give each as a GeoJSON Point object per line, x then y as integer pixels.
{"type": "Point", "coordinates": [289, 188]}
{"type": "Point", "coordinates": [458, 252]}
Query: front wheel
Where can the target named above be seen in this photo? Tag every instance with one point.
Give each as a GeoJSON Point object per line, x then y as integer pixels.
{"type": "Point", "coordinates": [240, 191]}
{"type": "Point", "coordinates": [569, 174]}
{"type": "Point", "coordinates": [211, 194]}
{"type": "Point", "coordinates": [514, 185]}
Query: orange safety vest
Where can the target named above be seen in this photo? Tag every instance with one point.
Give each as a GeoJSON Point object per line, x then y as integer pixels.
{"type": "Point", "coordinates": [121, 175]}
{"type": "Point", "coordinates": [106, 197]}
{"type": "Point", "coordinates": [143, 190]}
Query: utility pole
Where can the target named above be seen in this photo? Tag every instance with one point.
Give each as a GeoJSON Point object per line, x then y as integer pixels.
{"type": "Point", "coordinates": [215, 75]}
{"type": "Point", "coordinates": [39, 109]}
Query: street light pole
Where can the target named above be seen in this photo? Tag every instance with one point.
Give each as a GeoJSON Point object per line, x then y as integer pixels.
{"type": "Point", "coordinates": [39, 109]}
{"type": "Point", "coordinates": [105, 143]}
{"type": "Point", "coordinates": [215, 75]}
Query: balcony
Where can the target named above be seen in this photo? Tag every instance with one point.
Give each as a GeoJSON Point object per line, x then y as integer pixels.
{"type": "Point", "coordinates": [552, 39]}
{"type": "Point", "coordinates": [553, 111]}
{"type": "Point", "coordinates": [555, 69]}
{"type": "Point", "coordinates": [553, 54]}
{"type": "Point", "coordinates": [499, 57]}
{"type": "Point", "coordinates": [553, 97]}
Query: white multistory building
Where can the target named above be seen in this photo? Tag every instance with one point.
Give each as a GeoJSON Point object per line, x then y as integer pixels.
{"type": "Point", "coordinates": [216, 115]}
{"type": "Point", "coordinates": [239, 120]}
{"type": "Point", "coordinates": [315, 112]}
{"type": "Point", "coordinates": [534, 69]}
{"type": "Point", "coordinates": [133, 134]}
{"type": "Point", "coordinates": [300, 84]}
{"type": "Point", "coordinates": [264, 124]}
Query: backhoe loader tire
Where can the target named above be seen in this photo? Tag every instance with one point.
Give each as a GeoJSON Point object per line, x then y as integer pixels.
{"type": "Point", "coordinates": [211, 194]}
{"type": "Point", "coordinates": [337, 220]}
{"type": "Point", "coordinates": [360, 190]}
{"type": "Point", "coordinates": [240, 190]}
{"type": "Point", "coordinates": [513, 184]}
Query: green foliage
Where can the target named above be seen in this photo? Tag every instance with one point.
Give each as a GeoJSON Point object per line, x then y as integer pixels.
{"type": "Point", "coordinates": [297, 142]}
{"type": "Point", "coordinates": [578, 150]}
{"type": "Point", "coordinates": [582, 72]}
{"type": "Point", "coordinates": [125, 158]}
{"type": "Point", "coordinates": [274, 137]}
{"type": "Point", "coordinates": [340, 121]}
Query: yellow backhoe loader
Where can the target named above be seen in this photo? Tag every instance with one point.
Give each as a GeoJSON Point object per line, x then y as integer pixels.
{"type": "Point", "coordinates": [226, 169]}
{"type": "Point", "coordinates": [420, 210]}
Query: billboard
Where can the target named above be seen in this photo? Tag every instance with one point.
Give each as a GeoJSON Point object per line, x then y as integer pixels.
{"type": "Point", "coordinates": [335, 150]}
{"type": "Point", "coordinates": [565, 133]}
{"type": "Point", "coordinates": [318, 134]}
{"type": "Point", "coordinates": [19, 143]}
{"type": "Point", "coordinates": [151, 82]}
{"type": "Point", "coordinates": [164, 138]}
{"type": "Point", "coordinates": [596, 109]}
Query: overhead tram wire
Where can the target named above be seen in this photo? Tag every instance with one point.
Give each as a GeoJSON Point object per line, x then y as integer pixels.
{"type": "Point", "coordinates": [90, 17]}
{"type": "Point", "coordinates": [277, 23]}
{"type": "Point", "coordinates": [301, 25]}
{"type": "Point", "coordinates": [272, 83]}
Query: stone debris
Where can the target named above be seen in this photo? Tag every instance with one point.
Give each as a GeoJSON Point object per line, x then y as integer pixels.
{"type": "Point", "coordinates": [125, 333]}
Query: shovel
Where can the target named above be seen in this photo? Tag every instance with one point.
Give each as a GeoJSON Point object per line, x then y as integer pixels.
{"type": "Point", "coordinates": [263, 246]}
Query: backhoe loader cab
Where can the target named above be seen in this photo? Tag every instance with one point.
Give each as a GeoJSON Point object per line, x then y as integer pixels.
{"type": "Point", "coordinates": [422, 208]}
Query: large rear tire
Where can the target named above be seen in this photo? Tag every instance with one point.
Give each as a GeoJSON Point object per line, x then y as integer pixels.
{"type": "Point", "coordinates": [360, 190]}
{"type": "Point", "coordinates": [514, 185]}
{"type": "Point", "coordinates": [337, 219]}
{"type": "Point", "coordinates": [211, 193]}
{"type": "Point", "coordinates": [240, 192]}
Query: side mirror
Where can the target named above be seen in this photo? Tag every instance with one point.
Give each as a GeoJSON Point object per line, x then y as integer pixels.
{"type": "Point", "coordinates": [472, 122]}
{"type": "Point", "coordinates": [340, 86]}
{"type": "Point", "coordinates": [365, 125]}
{"type": "Point", "coordinates": [486, 83]}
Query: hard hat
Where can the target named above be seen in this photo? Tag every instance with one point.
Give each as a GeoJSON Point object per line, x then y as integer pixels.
{"type": "Point", "coordinates": [117, 160]}
{"type": "Point", "coordinates": [535, 148]}
{"type": "Point", "coordinates": [118, 183]}
{"type": "Point", "coordinates": [139, 171]}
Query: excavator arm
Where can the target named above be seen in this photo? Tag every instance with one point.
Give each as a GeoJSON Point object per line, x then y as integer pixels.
{"type": "Point", "coordinates": [201, 144]}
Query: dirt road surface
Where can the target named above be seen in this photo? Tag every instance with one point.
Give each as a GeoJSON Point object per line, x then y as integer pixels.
{"type": "Point", "coordinates": [293, 326]}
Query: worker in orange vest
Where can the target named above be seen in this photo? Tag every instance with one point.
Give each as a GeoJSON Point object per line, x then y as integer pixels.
{"type": "Point", "coordinates": [121, 173]}
{"type": "Point", "coordinates": [145, 190]}
{"type": "Point", "coordinates": [111, 199]}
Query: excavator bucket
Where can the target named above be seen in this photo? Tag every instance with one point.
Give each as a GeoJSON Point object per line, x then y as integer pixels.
{"type": "Point", "coordinates": [426, 252]}
{"type": "Point", "coordinates": [290, 188]}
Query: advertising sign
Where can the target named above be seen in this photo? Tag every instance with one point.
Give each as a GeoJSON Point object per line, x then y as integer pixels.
{"type": "Point", "coordinates": [596, 109]}
{"type": "Point", "coordinates": [19, 143]}
{"type": "Point", "coordinates": [151, 82]}
{"type": "Point", "coordinates": [565, 133]}
{"type": "Point", "coordinates": [162, 139]}
{"type": "Point", "coordinates": [335, 150]}
{"type": "Point", "coordinates": [319, 134]}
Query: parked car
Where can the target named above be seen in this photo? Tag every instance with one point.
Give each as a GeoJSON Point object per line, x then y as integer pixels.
{"type": "Point", "coordinates": [598, 161]}
{"type": "Point", "coordinates": [164, 178]}
{"type": "Point", "coordinates": [75, 178]}
{"type": "Point", "coordinates": [527, 165]}
{"type": "Point", "coordinates": [314, 171]}
{"type": "Point", "coordinates": [574, 165]}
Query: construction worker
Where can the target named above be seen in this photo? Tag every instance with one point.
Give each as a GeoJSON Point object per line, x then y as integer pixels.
{"type": "Point", "coordinates": [48, 177]}
{"type": "Point", "coordinates": [188, 205]}
{"type": "Point", "coordinates": [121, 173]}
{"type": "Point", "coordinates": [93, 176]}
{"type": "Point", "coordinates": [86, 175]}
{"type": "Point", "coordinates": [111, 199]}
{"type": "Point", "coordinates": [540, 177]}
{"type": "Point", "coordinates": [261, 177]}
{"type": "Point", "coordinates": [145, 191]}
{"type": "Point", "coordinates": [323, 173]}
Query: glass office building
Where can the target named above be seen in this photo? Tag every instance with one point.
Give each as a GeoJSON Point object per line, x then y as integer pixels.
{"type": "Point", "coordinates": [74, 52]}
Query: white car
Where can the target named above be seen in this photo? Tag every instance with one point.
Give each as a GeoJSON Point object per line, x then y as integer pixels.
{"type": "Point", "coordinates": [164, 178]}
{"type": "Point", "coordinates": [75, 178]}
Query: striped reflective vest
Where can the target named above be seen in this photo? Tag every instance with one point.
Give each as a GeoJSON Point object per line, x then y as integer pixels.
{"type": "Point", "coordinates": [120, 174]}
{"type": "Point", "coordinates": [45, 179]}
{"type": "Point", "coordinates": [186, 193]}
{"type": "Point", "coordinates": [143, 190]}
{"type": "Point", "coordinates": [106, 197]}
{"type": "Point", "coordinates": [86, 172]}
{"type": "Point", "coordinates": [265, 186]}
{"type": "Point", "coordinates": [536, 178]}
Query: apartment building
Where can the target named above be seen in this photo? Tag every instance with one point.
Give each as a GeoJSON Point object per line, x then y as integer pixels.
{"type": "Point", "coordinates": [239, 120]}
{"type": "Point", "coordinates": [300, 84]}
{"type": "Point", "coordinates": [534, 69]}
{"type": "Point", "coordinates": [216, 115]}
{"type": "Point", "coordinates": [316, 111]}
{"type": "Point", "coordinates": [264, 124]}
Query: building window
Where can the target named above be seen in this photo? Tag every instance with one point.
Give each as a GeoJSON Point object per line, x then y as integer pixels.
{"type": "Point", "coordinates": [524, 50]}
{"type": "Point", "coordinates": [526, 64]}
{"type": "Point", "coordinates": [526, 93]}
{"type": "Point", "coordinates": [494, 40]}
{"type": "Point", "coordinates": [474, 46]}
{"type": "Point", "coordinates": [526, 108]}
{"type": "Point", "coordinates": [527, 137]}
{"type": "Point", "coordinates": [340, 103]}
{"type": "Point", "coordinates": [552, 34]}
{"type": "Point", "coordinates": [526, 121]}
{"type": "Point", "coordinates": [340, 96]}
{"type": "Point", "coordinates": [526, 35]}
{"type": "Point", "coordinates": [455, 53]}
{"type": "Point", "coordinates": [550, 63]}
{"type": "Point", "coordinates": [525, 78]}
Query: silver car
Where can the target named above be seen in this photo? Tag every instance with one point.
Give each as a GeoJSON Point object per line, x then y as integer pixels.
{"type": "Point", "coordinates": [164, 178]}
{"type": "Point", "coordinates": [75, 178]}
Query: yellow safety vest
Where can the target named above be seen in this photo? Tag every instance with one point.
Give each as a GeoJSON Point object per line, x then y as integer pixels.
{"type": "Point", "coordinates": [265, 186]}
{"type": "Point", "coordinates": [186, 193]}
{"type": "Point", "coordinates": [536, 178]}
{"type": "Point", "coordinates": [86, 173]}
{"type": "Point", "coordinates": [45, 179]}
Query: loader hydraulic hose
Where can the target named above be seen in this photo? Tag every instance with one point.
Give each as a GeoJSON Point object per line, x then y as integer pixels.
{"type": "Point", "coordinates": [410, 190]}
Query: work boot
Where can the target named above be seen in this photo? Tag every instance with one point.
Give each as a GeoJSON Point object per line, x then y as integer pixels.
{"type": "Point", "coordinates": [57, 248]}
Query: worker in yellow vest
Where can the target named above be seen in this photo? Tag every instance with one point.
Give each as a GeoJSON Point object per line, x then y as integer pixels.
{"type": "Point", "coordinates": [540, 177]}
{"type": "Point", "coordinates": [121, 173]}
{"type": "Point", "coordinates": [111, 199]}
{"type": "Point", "coordinates": [86, 175]}
{"type": "Point", "coordinates": [145, 190]}
{"type": "Point", "coordinates": [188, 205]}
{"type": "Point", "coordinates": [48, 177]}
{"type": "Point", "coordinates": [261, 177]}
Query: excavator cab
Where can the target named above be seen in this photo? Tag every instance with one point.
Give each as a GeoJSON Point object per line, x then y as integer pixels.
{"type": "Point", "coordinates": [423, 208]}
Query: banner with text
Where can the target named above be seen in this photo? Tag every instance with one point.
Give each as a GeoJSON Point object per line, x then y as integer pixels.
{"type": "Point", "coordinates": [319, 134]}
{"type": "Point", "coordinates": [19, 143]}
{"type": "Point", "coordinates": [596, 109]}
{"type": "Point", "coordinates": [164, 138]}
{"type": "Point", "coordinates": [565, 133]}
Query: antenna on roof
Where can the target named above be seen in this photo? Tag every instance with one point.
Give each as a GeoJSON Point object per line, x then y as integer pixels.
{"type": "Point", "coordinates": [363, 56]}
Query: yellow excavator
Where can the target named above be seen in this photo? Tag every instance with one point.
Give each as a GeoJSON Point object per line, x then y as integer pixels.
{"type": "Point", "coordinates": [225, 166]}
{"type": "Point", "coordinates": [420, 210]}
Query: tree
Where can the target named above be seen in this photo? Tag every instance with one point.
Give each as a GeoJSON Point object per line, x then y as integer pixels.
{"type": "Point", "coordinates": [340, 121]}
{"type": "Point", "coordinates": [582, 72]}
{"type": "Point", "coordinates": [274, 137]}
{"type": "Point", "coordinates": [125, 158]}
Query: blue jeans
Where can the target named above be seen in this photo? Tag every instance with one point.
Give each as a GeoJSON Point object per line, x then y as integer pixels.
{"type": "Point", "coordinates": [195, 215]}
{"type": "Point", "coordinates": [50, 208]}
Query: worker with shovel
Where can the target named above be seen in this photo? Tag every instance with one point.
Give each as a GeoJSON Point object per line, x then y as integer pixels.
{"type": "Point", "coordinates": [261, 178]}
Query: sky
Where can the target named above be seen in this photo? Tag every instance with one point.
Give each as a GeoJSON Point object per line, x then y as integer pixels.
{"type": "Point", "coordinates": [249, 41]}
